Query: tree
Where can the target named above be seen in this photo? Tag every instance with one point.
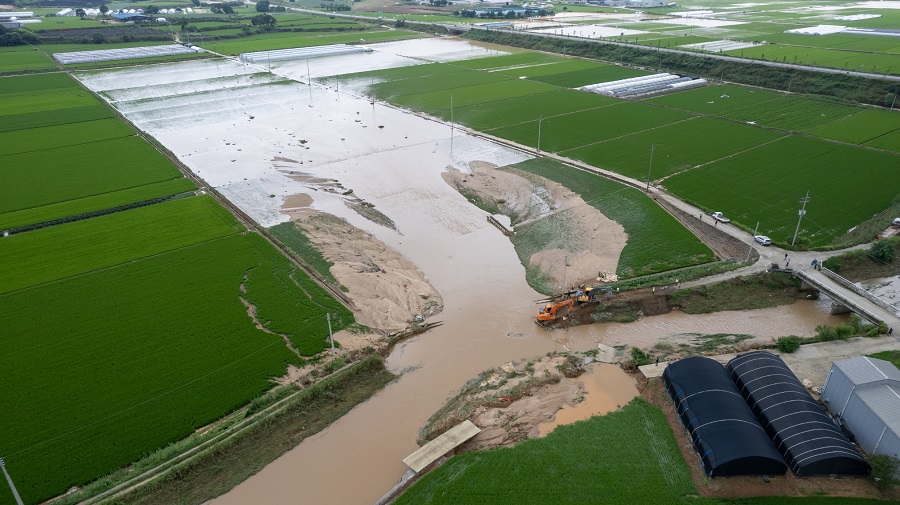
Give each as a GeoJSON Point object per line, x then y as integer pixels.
{"type": "Point", "coordinates": [882, 251]}
{"type": "Point", "coordinates": [227, 9]}
{"type": "Point", "coordinates": [103, 9]}
{"type": "Point", "coordinates": [196, 2]}
{"type": "Point", "coordinates": [262, 6]}
{"type": "Point", "coordinates": [263, 20]}
{"type": "Point", "coordinates": [80, 13]}
{"type": "Point", "coordinates": [151, 9]}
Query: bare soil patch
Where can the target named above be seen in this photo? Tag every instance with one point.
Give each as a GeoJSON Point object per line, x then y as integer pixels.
{"type": "Point", "coordinates": [388, 291]}
{"type": "Point", "coordinates": [586, 242]}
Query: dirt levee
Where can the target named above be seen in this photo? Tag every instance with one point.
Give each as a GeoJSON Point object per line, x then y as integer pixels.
{"type": "Point", "coordinates": [583, 244]}
{"type": "Point", "coordinates": [387, 289]}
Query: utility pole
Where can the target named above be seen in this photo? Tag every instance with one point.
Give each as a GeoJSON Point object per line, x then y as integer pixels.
{"type": "Point", "coordinates": [565, 266]}
{"type": "Point", "coordinates": [652, 148]}
{"type": "Point", "coordinates": [451, 125]}
{"type": "Point", "coordinates": [12, 486]}
{"type": "Point", "coordinates": [330, 336]}
{"type": "Point", "coordinates": [800, 218]}
{"type": "Point", "coordinates": [540, 120]}
{"type": "Point", "coordinates": [750, 249]}
{"type": "Point", "coordinates": [309, 82]}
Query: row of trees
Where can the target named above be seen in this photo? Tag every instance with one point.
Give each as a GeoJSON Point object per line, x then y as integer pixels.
{"type": "Point", "coordinates": [856, 89]}
{"type": "Point", "coordinates": [510, 14]}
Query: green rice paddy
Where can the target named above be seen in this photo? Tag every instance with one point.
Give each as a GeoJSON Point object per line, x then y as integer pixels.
{"type": "Point", "coordinates": [126, 331]}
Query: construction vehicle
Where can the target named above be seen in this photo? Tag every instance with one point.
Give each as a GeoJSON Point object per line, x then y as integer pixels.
{"type": "Point", "coordinates": [550, 312]}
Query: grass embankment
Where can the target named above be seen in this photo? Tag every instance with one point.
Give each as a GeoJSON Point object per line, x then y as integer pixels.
{"type": "Point", "coordinates": [627, 456]}
{"type": "Point", "coordinates": [657, 242]}
{"type": "Point", "coordinates": [756, 291]}
{"type": "Point", "coordinates": [293, 238]}
{"type": "Point", "coordinates": [307, 413]}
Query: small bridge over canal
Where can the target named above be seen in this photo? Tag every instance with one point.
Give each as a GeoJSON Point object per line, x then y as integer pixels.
{"type": "Point", "coordinates": [848, 297]}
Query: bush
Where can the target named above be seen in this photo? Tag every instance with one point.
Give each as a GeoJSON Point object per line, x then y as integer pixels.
{"type": "Point", "coordinates": [788, 344]}
{"type": "Point", "coordinates": [884, 468]}
{"type": "Point", "coordinates": [639, 357]}
{"type": "Point", "coordinates": [833, 263]}
{"type": "Point", "coordinates": [882, 251]}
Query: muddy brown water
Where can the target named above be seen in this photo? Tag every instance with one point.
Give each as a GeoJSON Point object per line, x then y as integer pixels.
{"type": "Point", "coordinates": [488, 308]}
{"type": "Point", "coordinates": [488, 320]}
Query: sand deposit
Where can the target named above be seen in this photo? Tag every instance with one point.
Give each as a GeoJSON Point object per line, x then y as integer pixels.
{"type": "Point", "coordinates": [593, 241]}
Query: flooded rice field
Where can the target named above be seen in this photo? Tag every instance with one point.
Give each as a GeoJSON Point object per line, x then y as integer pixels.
{"type": "Point", "coordinates": [270, 143]}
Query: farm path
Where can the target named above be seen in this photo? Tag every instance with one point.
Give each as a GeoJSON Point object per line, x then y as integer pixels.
{"type": "Point", "coordinates": [772, 254]}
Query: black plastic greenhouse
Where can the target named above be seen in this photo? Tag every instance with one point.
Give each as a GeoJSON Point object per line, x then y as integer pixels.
{"type": "Point", "coordinates": [724, 431]}
{"type": "Point", "coordinates": [802, 431]}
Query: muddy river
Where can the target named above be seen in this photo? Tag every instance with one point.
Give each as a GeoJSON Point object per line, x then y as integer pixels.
{"type": "Point", "coordinates": [266, 143]}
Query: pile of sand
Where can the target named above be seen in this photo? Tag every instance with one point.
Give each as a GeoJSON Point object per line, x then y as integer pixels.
{"type": "Point", "coordinates": [592, 242]}
{"type": "Point", "coordinates": [387, 290]}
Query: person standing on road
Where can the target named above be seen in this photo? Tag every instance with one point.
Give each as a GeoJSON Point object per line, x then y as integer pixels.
{"type": "Point", "coordinates": [787, 261]}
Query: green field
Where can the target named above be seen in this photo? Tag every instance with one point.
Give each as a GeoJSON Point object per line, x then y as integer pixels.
{"type": "Point", "coordinates": [510, 111]}
{"type": "Point", "coordinates": [126, 331]}
{"type": "Point", "coordinates": [676, 147]}
{"type": "Point", "coordinates": [23, 59]}
{"type": "Point", "coordinates": [80, 171]}
{"type": "Point", "coordinates": [103, 367]}
{"type": "Point", "coordinates": [283, 40]}
{"type": "Point", "coordinates": [94, 244]}
{"type": "Point", "coordinates": [820, 57]}
{"type": "Point", "coordinates": [590, 126]}
{"type": "Point", "coordinates": [62, 135]}
{"type": "Point", "coordinates": [63, 153]}
{"type": "Point", "coordinates": [657, 242]}
{"type": "Point", "coordinates": [627, 456]}
{"type": "Point", "coordinates": [847, 186]}
{"type": "Point", "coordinates": [870, 127]}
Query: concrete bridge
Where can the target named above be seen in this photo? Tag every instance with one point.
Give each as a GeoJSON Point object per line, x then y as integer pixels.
{"type": "Point", "coordinates": [847, 296]}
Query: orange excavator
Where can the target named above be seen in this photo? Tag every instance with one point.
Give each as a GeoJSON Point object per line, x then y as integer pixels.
{"type": "Point", "coordinates": [550, 312]}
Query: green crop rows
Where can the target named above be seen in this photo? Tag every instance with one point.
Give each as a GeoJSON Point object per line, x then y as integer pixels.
{"type": "Point", "coordinates": [676, 147]}
{"type": "Point", "coordinates": [586, 127]}
{"type": "Point", "coordinates": [85, 246]}
{"type": "Point", "coordinates": [103, 367]}
{"type": "Point", "coordinates": [764, 185]}
{"type": "Point", "coordinates": [73, 172]}
{"type": "Point", "coordinates": [626, 456]}
{"type": "Point", "coordinates": [656, 241]}
{"type": "Point", "coordinates": [23, 58]}
{"type": "Point", "coordinates": [126, 331]}
{"type": "Point", "coordinates": [63, 154]}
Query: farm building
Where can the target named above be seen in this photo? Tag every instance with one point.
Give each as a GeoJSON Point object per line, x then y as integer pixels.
{"type": "Point", "coordinates": [723, 429]}
{"type": "Point", "coordinates": [865, 395]}
{"type": "Point", "coordinates": [804, 434]}
{"type": "Point", "coordinates": [127, 17]}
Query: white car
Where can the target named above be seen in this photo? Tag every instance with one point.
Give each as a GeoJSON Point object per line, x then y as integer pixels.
{"type": "Point", "coordinates": [762, 239]}
{"type": "Point", "coordinates": [718, 216]}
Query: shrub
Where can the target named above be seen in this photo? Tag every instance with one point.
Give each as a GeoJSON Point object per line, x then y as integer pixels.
{"type": "Point", "coordinates": [788, 344]}
{"type": "Point", "coordinates": [639, 357]}
{"type": "Point", "coordinates": [833, 263]}
{"type": "Point", "coordinates": [883, 469]}
{"type": "Point", "coordinates": [882, 251]}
